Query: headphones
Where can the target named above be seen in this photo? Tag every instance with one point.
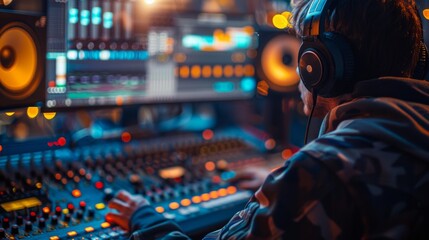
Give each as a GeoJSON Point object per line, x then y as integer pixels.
{"type": "Point", "coordinates": [326, 61]}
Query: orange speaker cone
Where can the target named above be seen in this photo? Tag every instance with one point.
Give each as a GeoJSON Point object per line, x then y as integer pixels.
{"type": "Point", "coordinates": [18, 65]}
{"type": "Point", "coordinates": [279, 60]}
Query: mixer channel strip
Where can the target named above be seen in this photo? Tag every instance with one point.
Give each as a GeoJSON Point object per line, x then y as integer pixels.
{"type": "Point", "coordinates": [64, 194]}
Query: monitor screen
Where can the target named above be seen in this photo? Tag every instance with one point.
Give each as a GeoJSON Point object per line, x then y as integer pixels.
{"type": "Point", "coordinates": [127, 52]}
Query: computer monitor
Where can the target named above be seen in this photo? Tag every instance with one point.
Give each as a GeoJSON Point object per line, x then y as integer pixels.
{"type": "Point", "coordinates": [129, 52]}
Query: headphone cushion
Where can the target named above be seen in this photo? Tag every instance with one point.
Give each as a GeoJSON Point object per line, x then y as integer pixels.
{"type": "Point", "coordinates": [341, 79]}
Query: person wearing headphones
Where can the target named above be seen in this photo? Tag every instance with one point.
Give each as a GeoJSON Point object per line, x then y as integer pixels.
{"type": "Point", "coordinates": [362, 65]}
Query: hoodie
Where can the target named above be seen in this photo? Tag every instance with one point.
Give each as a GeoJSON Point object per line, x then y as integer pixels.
{"type": "Point", "coordinates": [365, 177]}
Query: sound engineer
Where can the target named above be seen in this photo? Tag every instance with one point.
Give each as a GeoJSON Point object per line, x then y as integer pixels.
{"type": "Point", "coordinates": [366, 175]}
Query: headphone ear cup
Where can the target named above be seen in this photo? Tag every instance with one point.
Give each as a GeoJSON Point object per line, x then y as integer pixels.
{"type": "Point", "coordinates": [422, 65]}
{"type": "Point", "coordinates": [326, 65]}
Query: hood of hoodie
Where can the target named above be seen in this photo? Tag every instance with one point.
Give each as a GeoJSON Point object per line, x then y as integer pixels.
{"type": "Point", "coordinates": [393, 110]}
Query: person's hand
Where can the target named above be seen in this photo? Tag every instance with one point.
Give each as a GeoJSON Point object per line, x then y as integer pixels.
{"type": "Point", "coordinates": [126, 204]}
{"type": "Point", "coordinates": [250, 178]}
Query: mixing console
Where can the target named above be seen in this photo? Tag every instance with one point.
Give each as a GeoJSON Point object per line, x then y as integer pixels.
{"type": "Point", "coordinates": [63, 194]}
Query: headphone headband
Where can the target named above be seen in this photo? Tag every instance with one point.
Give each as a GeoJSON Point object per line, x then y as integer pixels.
{"type": "Point", "coordinates": [315, 17]}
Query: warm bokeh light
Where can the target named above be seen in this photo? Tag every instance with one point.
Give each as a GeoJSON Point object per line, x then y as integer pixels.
{"type": "Point", "coordinates": [149, 1]}
{"type": "Point", "coordinates": [279, 21]}
{"type": "Point", "coordinates": [287, 153]}
{"type": "Point", "coordinates": [207, 134]}
{"type": "Point", "coordinates": [270, 144]}
{"type": "Point", "coordinates": [426, 13]}
{"type": "Point", "coordinates": [196, 71]}
{"type": "Point", "coordinates": [210, 166]}
{"type": "Point", "coordinates": [32, 112]}
{"type": "Point", "coordinates": [228, 71]}
{"type": "Point", "coordinates": [49, 115]}
{"type": "Point", "coordinates": [239, 70]}
{"type": "Point", "coordinates": [249, 70]}
{"type": "Point", "coordinates": [207, 71]}
{"type": "Point", "coordinates": [217, 71]}
{"type": "Point", "coordinates": [263, 88]}
{"type": "Point", "coordinates": [10, 114]}
{"type": "Point", "coordinates": [184, 71]}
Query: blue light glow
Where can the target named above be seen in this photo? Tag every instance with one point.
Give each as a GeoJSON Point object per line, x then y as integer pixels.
{"type": "Point", "coordinates": [223, 87]}
{"type": "Point", "coordinates": [84, 17]}
{"type": "Point", "coordinates": [96, 15]}
{"type": "Point", "coordinates": [73, 15]}
{"type": "Point", "coordinates": [108, 20]}
{"type": "Point", "coordinates": [248, 84]}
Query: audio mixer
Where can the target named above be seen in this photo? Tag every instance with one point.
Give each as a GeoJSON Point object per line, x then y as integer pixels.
{"type": "Point", "coordinates": [63, 193]}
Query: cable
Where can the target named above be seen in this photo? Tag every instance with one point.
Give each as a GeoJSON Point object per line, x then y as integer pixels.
{"type": "Point", "coordinates": [307, 128]}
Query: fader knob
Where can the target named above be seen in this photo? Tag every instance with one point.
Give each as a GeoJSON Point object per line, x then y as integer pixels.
{"type": "Point", "coordinates": [79, 214]}
{"type": "Point", "coordinates": [15, 229]}
{"type": "Point", "coordinates": [19, 220]}
{"type": "Point", "coordinates": [91, 212]}
{"type": "Point", "coordinates": [28, 226]}
{"type": "Point", "coordinates": [42, 223]}
{"type": "Point", "coordinates": [67, 217]}
{"type": "Point", "coordinates": [108, 194]}
{"type": "Point", "coordinates": [54, 220]}
{"type": "Point", "coordinates": [5, 223]}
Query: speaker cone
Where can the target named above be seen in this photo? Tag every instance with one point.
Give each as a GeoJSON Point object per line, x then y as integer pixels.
{"type": "Point", "coordinates": [279, 61]}
{"type": "Point", "coordinates": [19, 74]}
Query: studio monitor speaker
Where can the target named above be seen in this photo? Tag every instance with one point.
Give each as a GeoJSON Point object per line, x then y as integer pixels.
{"type": "Point", "coordinates": [22, 53]}
{"type": "Point", "coordinates": [277, 60]}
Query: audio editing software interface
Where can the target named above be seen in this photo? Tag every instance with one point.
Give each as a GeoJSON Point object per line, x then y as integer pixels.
{"type": "Point", "coordinates": [120, 52]}
{"type": "Point", "coordinates": [57, 173]}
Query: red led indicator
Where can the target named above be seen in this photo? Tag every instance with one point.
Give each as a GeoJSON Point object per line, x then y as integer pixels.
{"type": "Point", "coordinates": [1, 148]}
{"type": "Point", "coordinates": [70, 206]}
{"type": "Point", "coordinates": [58, 209]}
{"type": "Point", "coordinates": [32, 214]}
{"type": "Point", "coordinates": [82, 204]}
{"type": "Point", "coordinates": [208, 134]}
{"type": "Point", "coordinates": [99, 185]}
{"type": "Point", "coordinates": [62, 141]}
{"type": "Point", "coordinates": [126, 137]}
{"type": "Point", "coordinates": [52, 84]}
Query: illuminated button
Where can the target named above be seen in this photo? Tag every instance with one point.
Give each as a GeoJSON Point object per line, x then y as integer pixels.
{"type": "Point", "coordinates": [66, 211]}
{"type": "Point", "coordinates": [100, 206]}
{"type": "Point", "coordinates": [89, 229]}
{"type": "Point", "coordinates": [214, 194]}
{"type": "Point", "coordinates": [196, 199]}
{"type": "Point", "coordinates": [33, 216]}
{"type": "Point", "coordinates": [76, 193]}
{"type": "Point", "coordinates": [231, 189]}
{"type": "Point", "coordinates": [58, 211]}
{"type": "Point", "coordinates": [185, 202]}
{"type": "Point", "coordinates": [205, 197]}
{"type": "Point", "coordinates": [99, 185]}
{"type": "Point", "coordinates": [54, 238]}
{"type": "Point", "coordinates": [174, 205]}
{"type": "Point", "coordinates": [159, 209]}
{"type": "Point", "coordinates": [105, 225]}
{"type": "Point", "coordinates": [222, 192]}
{"type": "Point", "coordinates": [72, 233]}
{"type": "Point", "coordinates": [70, 207]}
{"type": "Point", "coordinates": [82, 205]}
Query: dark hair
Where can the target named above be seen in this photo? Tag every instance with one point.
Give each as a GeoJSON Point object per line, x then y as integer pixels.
{"type": "Point", "coordinates": [385, 35]}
